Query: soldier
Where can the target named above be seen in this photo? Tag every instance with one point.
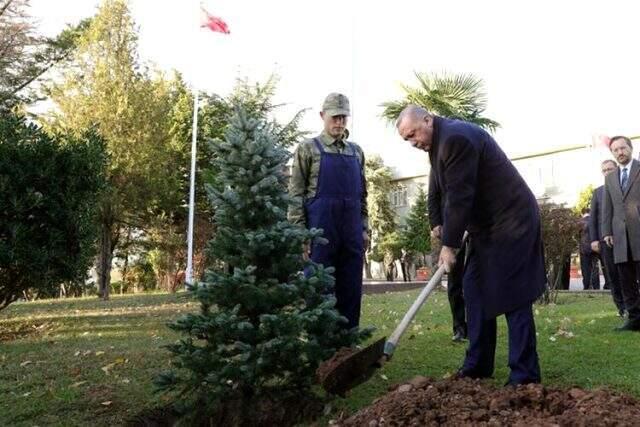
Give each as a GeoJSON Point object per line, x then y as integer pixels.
{"type": "Point", "coordinates": [329, 192]}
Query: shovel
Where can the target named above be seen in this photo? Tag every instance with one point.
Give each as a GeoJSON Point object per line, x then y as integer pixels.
{"type": "Point", "coordinates": [359, 366]}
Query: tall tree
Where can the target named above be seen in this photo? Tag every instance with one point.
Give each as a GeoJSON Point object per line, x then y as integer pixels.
{"type": "Point", "coordinates": [416, 235]}
{"type": "Point", "coordinates": [48, 188]}
{"type": "Point", "coordinates": [382, 217]}
{"type": "Point", "coordinates": [25, 55]}
{"type": "Point", "coordinates": [584, 200]}
{"type": "Point", "coordinates": [457, 96]}
{"type": "Point", "coordinates": [106, 85]}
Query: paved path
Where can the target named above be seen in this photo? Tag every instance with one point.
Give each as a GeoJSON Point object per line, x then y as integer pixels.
{"type": "Point", "coordinates": [380, 286]}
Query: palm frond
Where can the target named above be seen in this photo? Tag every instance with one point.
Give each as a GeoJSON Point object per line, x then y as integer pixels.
{"type": "Point", "coordinates": [457, 96]}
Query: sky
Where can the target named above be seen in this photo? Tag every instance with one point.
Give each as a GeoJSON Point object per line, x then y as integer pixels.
{"type": "Point", "coordinates": [556, 73]}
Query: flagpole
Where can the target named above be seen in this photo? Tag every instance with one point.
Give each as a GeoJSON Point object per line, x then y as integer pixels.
{"type": "Point", "coordinates": [192, 190]}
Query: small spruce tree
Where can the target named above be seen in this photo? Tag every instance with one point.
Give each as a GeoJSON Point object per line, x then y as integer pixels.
{"type": "Point", "coordinates": [263, 326]}
{"type": "Point", "coordinates": [416, 234]}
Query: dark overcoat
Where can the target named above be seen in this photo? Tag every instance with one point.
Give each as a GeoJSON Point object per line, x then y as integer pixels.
{"type": "Point", "coordinates": [485, 194]}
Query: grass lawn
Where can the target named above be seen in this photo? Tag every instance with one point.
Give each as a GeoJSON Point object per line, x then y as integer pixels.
{"type": "Point", "coordinates": [83, 361]}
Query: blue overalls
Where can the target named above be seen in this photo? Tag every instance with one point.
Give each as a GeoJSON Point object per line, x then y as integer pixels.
{"type": "Point", "coordinates": [336, 208]}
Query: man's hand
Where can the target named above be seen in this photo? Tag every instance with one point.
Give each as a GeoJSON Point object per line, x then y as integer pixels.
{"type": "Point", "coordinates": [595, 246]}
{"type": "Point", "coordinates": [608, 240]}
{"type": "Point", "coordinates": [436, 233]}
{"type": "Point", "coordinates": [365, 240]}
{"type": "Point", "coordinates": [306, 249]}
{"type": "Point", "coordinates": [447, 258]}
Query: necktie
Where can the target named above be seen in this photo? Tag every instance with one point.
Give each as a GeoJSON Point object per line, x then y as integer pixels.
{"type": "Point", "coordinates": [623, 179]}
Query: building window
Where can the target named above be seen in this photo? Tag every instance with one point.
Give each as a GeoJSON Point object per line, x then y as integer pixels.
{"type": "Point", "coordinates": [399, 197]}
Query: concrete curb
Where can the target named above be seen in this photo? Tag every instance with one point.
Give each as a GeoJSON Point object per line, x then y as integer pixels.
{"type": "Point", "coordinates": [380, 287]}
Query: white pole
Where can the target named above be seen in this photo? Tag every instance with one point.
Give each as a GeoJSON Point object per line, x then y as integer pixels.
{"type": "Point", "coordinates": [352, 96]}
{"type": "Point", "coordinates": [192, 191]}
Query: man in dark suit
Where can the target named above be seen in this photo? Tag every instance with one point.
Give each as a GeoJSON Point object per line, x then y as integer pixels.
{"type": "Point", "coordinates": [621, 225]}
{"type": "Point", "coordinates": [454, 278]}
{"type": "Point", "coordinates": [485, 195]}
{"type": "Point", "coordinates": [611, 278]}
{"type": "Point", "coordinates": [588, 258]}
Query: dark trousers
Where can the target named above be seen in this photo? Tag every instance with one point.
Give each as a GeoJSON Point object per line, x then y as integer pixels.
{"type": "Point", "coordinates": [611, 276]}
{"type": "Point", "coordinates": [628, 272]}
{"type": "Point", "coordinates": [405, 271]}
{"type": "Point", "coordinates": [562, 274]}
{"type": "Point", "coordinates": [590, 270]}
{"type": "Point", "coordinates": [480, 357]}
{"type": "Point", "coordinates": [454, 292]}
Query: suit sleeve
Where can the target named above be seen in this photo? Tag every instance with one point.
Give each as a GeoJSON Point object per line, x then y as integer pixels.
{"type": "Point", "coordinates": [607, 212]}
{"type": "Point", "coordinates": [594, 217]}
{"type": "Point", "coordinates": [434, 201]}
{"type": "Point", "coordinates": [460, 159]}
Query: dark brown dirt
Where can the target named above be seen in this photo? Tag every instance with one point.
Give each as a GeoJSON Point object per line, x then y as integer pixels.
{"type": "Point", "coordinates": [457, 402]}
{"type": "Point", "coordinates": [329, 365]}
{"type": "Point", "coordinates": [349, 367]}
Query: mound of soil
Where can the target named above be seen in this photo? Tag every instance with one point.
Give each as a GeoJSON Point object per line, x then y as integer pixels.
{"type": "Point", "coordinates": [455, 402]}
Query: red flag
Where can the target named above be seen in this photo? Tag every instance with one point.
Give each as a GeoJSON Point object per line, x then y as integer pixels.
{"type": "Point", "coordinates": [213, 23]}
{"type": "Point", "coordinates": [600, 141]}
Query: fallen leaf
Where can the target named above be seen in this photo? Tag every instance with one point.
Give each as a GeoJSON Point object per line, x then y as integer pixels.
{"type": "Point", "coordinates": [99, 353]}
{"type": "Point", "coordinates": [107, 403]}
{"type": "Point", "coordinates": [107, 368]}
{"type": "Point", "coordinates": [26, 394]}
{"type": "Point", "coordinates": [25, 363]}
{"type": "Point", "coordinates": [78, 384]}
{"type": "Point", "coordinates": [77, 353]}
{"type": "Point", "coordinates": [384, 377]}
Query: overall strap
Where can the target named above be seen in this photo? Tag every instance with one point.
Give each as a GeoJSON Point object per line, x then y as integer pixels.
{"type": "Point", "coordinates": [318, 145]}
{"type": "Point", "coordinates": [354, 152]}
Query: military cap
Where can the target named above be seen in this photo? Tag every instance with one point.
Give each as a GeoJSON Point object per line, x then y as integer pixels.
{"type": "Point", "coordinates": [336, 104]}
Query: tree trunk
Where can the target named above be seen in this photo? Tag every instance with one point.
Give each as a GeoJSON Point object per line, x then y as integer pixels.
{"type": "Point", "coordinates": [125, 266]}
{"type": "Point", "coordinates": [104, 262]}
{"type": "Point", "coordinates": [108, 241]}
{"type": "Point", "coordinates": [367, 267]}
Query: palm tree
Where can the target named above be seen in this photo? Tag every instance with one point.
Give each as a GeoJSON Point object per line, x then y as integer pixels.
{"type": "Point", "coordinates": [457, 96]}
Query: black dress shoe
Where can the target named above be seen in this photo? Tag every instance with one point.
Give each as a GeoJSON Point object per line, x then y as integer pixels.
{"type": "Point", "coordinates": [459, 335]}
{"type": "Point", "coordinates": [629, 325]}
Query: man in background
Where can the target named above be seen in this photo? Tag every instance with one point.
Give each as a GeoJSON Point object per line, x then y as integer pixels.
{"type": "Point", "coordinates": [611, 278]}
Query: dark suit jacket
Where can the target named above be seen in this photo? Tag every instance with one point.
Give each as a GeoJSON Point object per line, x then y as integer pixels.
{"type": "Point", "coordinates": [485, 194]}
{"type": "Point", "coordinates": [434, 201]}
{"type": "Point", "coordinates": [585, 238]}
{"type": "Point", "coordinates": [595, 215]}
{"type": "Point", "coordinates": [621, 214]}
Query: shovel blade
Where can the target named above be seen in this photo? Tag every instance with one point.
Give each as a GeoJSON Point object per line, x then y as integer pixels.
{"type": "Point", "coordinates": [354, 369]}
